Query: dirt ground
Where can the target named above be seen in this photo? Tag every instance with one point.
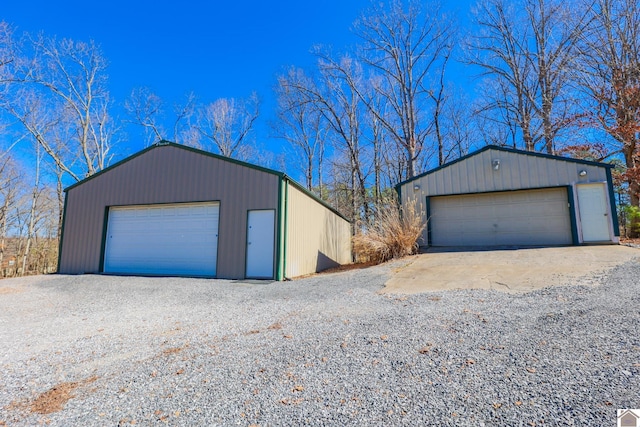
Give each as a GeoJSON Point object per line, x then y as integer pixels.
{"type": "Point", "coordinates": [509, 270]}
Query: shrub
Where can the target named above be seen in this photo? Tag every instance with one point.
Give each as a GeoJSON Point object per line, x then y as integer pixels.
{"type": "Point", "coordinates": [394, 233]}
{"type": "Point", "coordinates": [631, 220]}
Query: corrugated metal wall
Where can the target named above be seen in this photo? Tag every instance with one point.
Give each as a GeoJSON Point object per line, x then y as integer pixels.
{"type": "Point", "coordinates": [167, 174]}
{"type": "Point", "coordinates": [517, 171]}
{"type": "Point", "coordinates": [316, 238]}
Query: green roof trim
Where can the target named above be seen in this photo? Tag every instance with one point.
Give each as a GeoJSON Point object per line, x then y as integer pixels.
{"type": "Point", "coordinates": [507, 150]}
{"type": "Point", "coordinates": [165, 143]}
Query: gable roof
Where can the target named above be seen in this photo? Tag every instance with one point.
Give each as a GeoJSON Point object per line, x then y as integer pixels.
{"type": "Point", "coordinates": [506, 150]}
{"type": "Point", "coordinates": [165, 143]}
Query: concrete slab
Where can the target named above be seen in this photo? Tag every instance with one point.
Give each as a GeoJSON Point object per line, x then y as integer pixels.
{"type": "Point", "coordinates": [509, 270]}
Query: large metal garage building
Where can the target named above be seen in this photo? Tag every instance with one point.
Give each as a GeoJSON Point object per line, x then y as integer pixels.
{"type": "Point", "coordinates": [500, 196]}
{"type": "Point", "coordinates": [174, 210]}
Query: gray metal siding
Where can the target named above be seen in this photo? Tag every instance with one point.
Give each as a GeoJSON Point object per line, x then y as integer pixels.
{"type": "Point", "coordinates": [517, 171]}
{"type": "Point", "coordinates": [524, 217]}
{"type": "Point", "coordinates": [317, 238]}
{"type": "Point", "coordinates": [167, 174]}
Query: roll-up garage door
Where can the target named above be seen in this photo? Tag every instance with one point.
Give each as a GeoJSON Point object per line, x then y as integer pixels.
{"type": "Point", "coordinates": [528, 217]}
{"type": "Point", "coordinates": [177, 239]}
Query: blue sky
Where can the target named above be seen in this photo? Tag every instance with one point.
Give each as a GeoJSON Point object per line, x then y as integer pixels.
{"type": "Point", "coordinates": [214, 48]}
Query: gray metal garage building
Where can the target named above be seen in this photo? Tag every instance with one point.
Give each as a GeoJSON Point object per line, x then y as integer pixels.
{"type": "Point", "coordinates": [175, 210]}
{"type": "Point", "coordinates": [500, 196]}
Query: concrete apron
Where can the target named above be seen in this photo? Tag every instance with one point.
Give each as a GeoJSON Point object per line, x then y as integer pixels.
{"type": "Point", "coordinates": [509, 270]}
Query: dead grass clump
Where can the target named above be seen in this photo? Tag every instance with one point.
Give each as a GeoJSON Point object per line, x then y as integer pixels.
{"type": "Point", "coordinates": [394, 233]}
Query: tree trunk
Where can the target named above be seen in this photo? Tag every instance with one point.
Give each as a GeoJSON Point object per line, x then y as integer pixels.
{"type": "Point", "coordinates": [354, 202]}
{"type": "Point", "coordinates": [634, 189]}
{"type": "Point", "coordinates": [32, 215]}
{"type": "Point", "coordinates": [60, 194]}
{"type": "Point", "coordinates": [411, 162]}
{"type": "Point", "coordinates": [3, 231]}
{"type": "Point", "coordinates": [310, 172]}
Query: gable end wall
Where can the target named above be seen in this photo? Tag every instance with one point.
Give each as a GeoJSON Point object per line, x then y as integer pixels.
{"type": "Point", "coordinates": [166, 174]}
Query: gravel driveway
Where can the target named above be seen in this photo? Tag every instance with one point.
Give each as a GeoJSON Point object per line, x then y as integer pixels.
{"type": "Point", "coordinates": [326, 350]}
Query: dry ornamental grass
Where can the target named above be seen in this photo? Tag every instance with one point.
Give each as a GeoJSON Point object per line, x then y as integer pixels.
{"type": "Point", "coordinates": [394, 234]}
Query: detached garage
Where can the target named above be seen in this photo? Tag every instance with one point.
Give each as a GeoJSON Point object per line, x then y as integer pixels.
{"type": "Point", "coordinates": [505, 197]}
{"type": "Point", "coordinates": [172, 210]}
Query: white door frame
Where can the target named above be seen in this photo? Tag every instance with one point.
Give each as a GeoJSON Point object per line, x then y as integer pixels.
{"type": "Point", "coordinates": [259, 252]}
{"type": "Point", "coordinates": [607, 211]}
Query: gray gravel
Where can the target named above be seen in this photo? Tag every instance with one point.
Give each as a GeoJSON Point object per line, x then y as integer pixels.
{"type": "Point", "coordinates": [326, 350]}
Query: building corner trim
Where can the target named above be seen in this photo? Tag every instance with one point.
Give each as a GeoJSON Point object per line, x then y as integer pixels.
{"type": "Point", "coordinates": [64, 217]}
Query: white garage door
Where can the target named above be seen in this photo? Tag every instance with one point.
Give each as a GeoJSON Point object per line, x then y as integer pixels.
{"type": "Point", "coordinates": [531, 217]}
{"type": "Point", "coordinates": [180, 239]}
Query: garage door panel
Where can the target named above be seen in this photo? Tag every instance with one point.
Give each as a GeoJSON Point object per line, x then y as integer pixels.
{"type": "Point", "coordinates": [176, 239]}
{"type": "Point", "coordinates": [529, 217]}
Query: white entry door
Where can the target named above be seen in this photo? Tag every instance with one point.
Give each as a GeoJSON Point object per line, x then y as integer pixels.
{"type": "Point", "coordinates": [594, 215]}
{"type": "Point", "coordinates": [260, 244]}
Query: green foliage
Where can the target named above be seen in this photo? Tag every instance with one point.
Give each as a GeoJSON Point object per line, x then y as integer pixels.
{"type": "Point", "coordinates": [632, 220]}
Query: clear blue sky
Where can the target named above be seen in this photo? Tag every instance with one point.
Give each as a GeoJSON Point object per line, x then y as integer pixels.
{"type": "Point", "coordinates": [214, 48]}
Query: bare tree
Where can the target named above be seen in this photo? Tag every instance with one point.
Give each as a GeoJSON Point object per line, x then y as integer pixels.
{"type": "Point", "coordinates": [7, 57]}
{"type": "Point", "coordinates": [226, 125]}
{"type": "Point", "coordinates": [73, 75]}
{"type": "Point", "coordinates": [10, 181]}
{"type": "Point", "coordinates": [557, 28]}
{"type": "Point", "coordinates": [185, 128]}
{"type": "Point", "coordinates": [498, 50]}
{"type": "Point", "coordinates": [334, 96]}
{"type": "Point", "coordinates": [403, 46]}
{"type": "Point", "coordinates": [611, 78]}
{"type": "Point", "coordinates": [342, 108]}
{"type": "Point", "coordinates": [7, 54]}
{"type": "Point", "coordinates": [439, 100]}
{"type": "Point", "coordinates": [145, 109]}
{"type": "Point", "coordinates": [62, 85]}
{"type": "Point", "coordinates": [506, 116]}
{"type": "Point", "coordinates": [35, 193]}
{"type": "Point", "coordinates": [301, 125]}
{"type": "Point", "coordinates": [458, 125]}
{"type": "Point", "coordinates": [529, 55]}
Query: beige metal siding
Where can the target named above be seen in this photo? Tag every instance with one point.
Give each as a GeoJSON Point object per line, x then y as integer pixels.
{"type": "Point", "coordinates": [316, 238]}
{"type": "Point", "coordinates": [167, 174]}
{"type": "Point", "coordinates": [517, 171]}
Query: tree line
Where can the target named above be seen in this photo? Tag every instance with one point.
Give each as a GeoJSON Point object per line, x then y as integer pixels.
{"type": "Point", "coordinates": [548, 76]}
